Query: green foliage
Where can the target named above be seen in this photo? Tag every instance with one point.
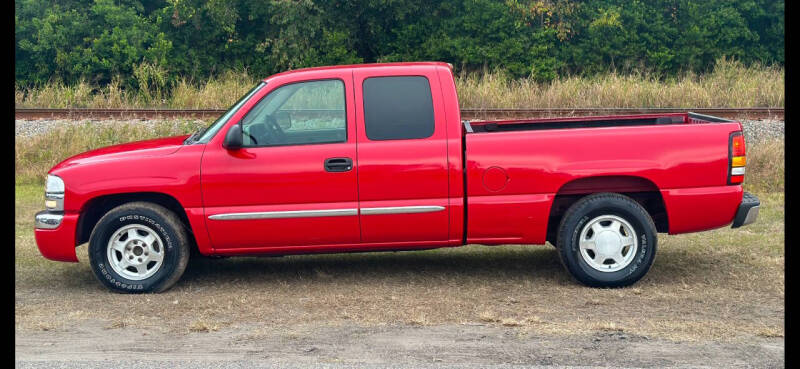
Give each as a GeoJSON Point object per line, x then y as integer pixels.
{"type": "Point", "coordinates": [94, 41]}
{"type": "Point", "coordinates": [153, 44]}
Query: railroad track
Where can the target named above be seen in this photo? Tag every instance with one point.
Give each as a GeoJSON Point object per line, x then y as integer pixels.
{"type": "Point", "coordinates": [751, 113]}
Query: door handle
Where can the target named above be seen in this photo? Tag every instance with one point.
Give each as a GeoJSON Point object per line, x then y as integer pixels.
{"type": "Point", "coordinates": [338, 164]}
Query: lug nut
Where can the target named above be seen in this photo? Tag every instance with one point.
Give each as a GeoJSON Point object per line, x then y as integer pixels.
{"type": "Point", "coordinates": [140, 260]}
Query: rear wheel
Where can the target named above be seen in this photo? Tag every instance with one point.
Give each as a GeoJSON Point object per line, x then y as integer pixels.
{"type": "Point", "coordinates": [139, 247]}
{"type": "Point", "coordinates": [607, 240]}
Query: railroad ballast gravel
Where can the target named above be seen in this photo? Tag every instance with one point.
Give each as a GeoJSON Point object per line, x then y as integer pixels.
{"type": "Point", "coordinates": [29, 128]}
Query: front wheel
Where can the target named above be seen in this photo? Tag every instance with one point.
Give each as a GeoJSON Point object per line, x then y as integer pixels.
{"type": "Point", "coordinates": [139, 247]}
{"type": "Point", "coordinates": [607, 240]}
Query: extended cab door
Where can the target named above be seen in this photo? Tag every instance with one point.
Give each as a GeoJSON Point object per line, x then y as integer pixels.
{"type": "Point", "coordinates": [402, 156]}
{"type": "Point", "coordinates": [294, 182]}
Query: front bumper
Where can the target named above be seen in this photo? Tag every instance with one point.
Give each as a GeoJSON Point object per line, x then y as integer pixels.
{"type": "Point", "coordinates": [748, 210]}
{"type": "Point", "coordinates": [55, 235]}
{"type": "Point", "coordinates": [48, 220]}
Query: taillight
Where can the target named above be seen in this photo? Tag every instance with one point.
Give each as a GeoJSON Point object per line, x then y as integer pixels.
{"type": "Point", "coordinates": [737, 159]}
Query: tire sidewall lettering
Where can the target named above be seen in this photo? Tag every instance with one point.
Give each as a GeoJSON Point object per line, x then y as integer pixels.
{"type": "Point", "coordinates": [111, 279]}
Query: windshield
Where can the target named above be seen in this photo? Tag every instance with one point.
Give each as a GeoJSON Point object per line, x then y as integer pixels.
{"type": "Point", "coordinates": [206, 135]}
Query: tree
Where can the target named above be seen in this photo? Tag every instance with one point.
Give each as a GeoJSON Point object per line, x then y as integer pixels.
{"type": "Point", "coordinates": [161, 40]}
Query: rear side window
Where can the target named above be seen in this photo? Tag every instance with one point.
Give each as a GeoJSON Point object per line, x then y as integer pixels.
{"type": "Point", "coordinates": [398, 108]}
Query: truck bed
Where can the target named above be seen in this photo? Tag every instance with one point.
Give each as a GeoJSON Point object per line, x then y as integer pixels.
{"type": "Point", "coordinates": [589, 122]}
{"type": "Point", "coordinates": [516, 169]}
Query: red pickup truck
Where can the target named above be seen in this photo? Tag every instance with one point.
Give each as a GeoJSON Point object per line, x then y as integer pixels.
{"type": "Point", "coordinates": [376, 158]}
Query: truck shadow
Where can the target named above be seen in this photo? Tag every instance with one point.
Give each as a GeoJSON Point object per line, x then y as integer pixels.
{"type": "Point", "coordinates": [529, 262]}
{"type": "Point", "coordinates": [485, 263]}
{"type": "Point", "coordinates": [492, 265]}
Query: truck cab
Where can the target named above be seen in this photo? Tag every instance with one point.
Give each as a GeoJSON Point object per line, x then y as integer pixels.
{"type": "Point", "coordinates": [319, 159]}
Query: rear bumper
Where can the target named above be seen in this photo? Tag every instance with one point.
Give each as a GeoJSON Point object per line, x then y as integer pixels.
{"type": "Point", "coordinates": [701, 208]}
{"type": "Point", "coordinates": [55, 235]}
{"type": "Point", "coordinates": [747, 212]}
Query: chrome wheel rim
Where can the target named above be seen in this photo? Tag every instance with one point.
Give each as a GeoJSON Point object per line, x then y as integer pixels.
{"type": "Point", "coordinates": [135, 252]}
{"type": "Point", "coordinates": [608, 243]}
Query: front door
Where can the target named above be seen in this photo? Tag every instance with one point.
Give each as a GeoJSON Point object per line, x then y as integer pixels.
{"type": "Point", "coordinates": [294, 183]}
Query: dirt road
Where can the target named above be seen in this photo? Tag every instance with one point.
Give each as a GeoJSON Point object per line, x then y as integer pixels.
{"type": "Point", "coordinates": [479, 345]}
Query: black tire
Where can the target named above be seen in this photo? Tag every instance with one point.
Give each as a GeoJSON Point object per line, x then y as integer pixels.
{"type": "Point", "coordinates": [164, 223]}
{"type": "Point", "coordinates": [590, 207]}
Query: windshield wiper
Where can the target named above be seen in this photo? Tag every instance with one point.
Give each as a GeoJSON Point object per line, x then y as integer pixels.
{"type": "Point", "coordinates": [189, 140]}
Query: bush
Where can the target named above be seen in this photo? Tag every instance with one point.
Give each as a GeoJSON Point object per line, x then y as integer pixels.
{"type": "Point", "coordinates": [154, 44]}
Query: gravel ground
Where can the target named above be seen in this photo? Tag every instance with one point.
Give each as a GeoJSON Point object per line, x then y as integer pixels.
{"type": "Point", "coordinates": [391, 346]}
{"type": "Point", "coordinates": [142, 364]}
{"type": "Point", "coordinates": [754, 130]}
{"type": "Point", "coordinates": [28, 128]}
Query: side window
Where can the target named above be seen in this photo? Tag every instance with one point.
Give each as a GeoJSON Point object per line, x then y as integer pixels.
{"type": "Point", "coordinates": [298, 114]}
{"type": "Point", "coordinates": [398, 108]}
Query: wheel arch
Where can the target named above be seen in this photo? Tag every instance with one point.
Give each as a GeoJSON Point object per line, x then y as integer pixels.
{"type": "Point", "coordinates": [640, 189]}
{"type": "Point", "coordinates": [95, 208]}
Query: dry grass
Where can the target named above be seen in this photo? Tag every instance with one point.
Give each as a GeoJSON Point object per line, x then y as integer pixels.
{"type": "Point", "coordinates": [766, 166]}
{"type": "Point", "coordinates": [720, 285]}
{"type": "Point", "coordinates": [771, 333]}
{"type": "Point", "coordinates": [202, 325]}
{"type": "Point", "coordinates": [730, 85]}
{"type": "Point", "coordinates": [216, 92]}
{"type": "Point", "coordinates": [219, 92]}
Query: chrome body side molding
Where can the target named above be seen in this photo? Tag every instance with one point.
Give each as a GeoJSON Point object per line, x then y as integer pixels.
{"type": "Point", "coordinates": [401, 210]}
{"type": "Point", "coordinates": [285, 214]}
{"type": "Point", "coordinates": [326, 213]}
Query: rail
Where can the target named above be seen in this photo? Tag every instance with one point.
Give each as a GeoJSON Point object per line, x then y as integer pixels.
{"type": "Point", "coordinates": [468, 113]}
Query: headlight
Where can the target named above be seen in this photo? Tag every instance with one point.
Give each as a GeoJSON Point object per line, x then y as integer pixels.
{"type": "Point", "coordinates": [54, 193]}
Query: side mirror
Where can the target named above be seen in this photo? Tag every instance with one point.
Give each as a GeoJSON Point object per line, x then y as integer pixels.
{"type": "Point", "coordinates": [234, 138]}
{"type": "Point", "coordinates": [284, 120]}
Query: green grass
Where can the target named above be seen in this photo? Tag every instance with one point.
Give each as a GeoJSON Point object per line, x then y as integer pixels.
{"type": "Point", "coordinates": [730, 85]}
